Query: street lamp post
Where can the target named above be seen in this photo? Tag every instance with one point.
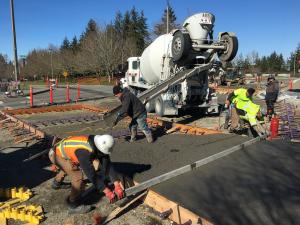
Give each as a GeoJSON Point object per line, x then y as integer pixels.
{"type": "Point", "coordinates": [167, 17]}
{"type": "Point", "coordinates": [16, 64]}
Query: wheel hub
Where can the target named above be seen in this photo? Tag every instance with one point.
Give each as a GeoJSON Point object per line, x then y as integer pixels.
{"type": "Point", "coordinates": [177, 45]}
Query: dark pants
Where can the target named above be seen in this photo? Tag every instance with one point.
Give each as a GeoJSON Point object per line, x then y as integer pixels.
{"type": "Point", "coordinates": [270, 107]}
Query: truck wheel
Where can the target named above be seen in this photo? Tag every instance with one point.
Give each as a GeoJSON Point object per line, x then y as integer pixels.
{"type": "Point", "coordinates": [159, 106]}
{"type": "Point", "coordinates": [231, 43]}
{"type": "Point", "coordinates": [181, 45]}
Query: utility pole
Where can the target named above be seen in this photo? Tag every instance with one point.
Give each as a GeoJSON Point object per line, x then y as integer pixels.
{"type": "Point", "coordinates": [295, 54]}
{"type": "Point", "coordinates": [51, 51]}
{"type": "Point", "coordinates": [14, 42]}
{"type": "Point", "coordinates": [167, 17]}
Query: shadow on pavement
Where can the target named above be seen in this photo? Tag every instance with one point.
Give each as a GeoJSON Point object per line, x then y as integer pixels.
{"type": "Point", "coordinates": [257, 186]}
{"type": "Point", "coordinates": [15, 173]}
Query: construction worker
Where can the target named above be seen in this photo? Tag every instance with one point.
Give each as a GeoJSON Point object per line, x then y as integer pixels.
{"type": "Point", "coordinates": [240, 94]}
{"type": "Point", "coordinates": [272, 91]}
{"type": "Point", "coordinates": [251, 113]}
{"type": "Point", "coordinates": [242, 106]}
{"type": "Point", "coordinates": [74, 156]}
{"type": "Point", "coordinates": [134, 108]}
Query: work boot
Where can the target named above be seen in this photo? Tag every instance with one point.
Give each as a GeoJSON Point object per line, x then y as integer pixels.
{"type": "Point", "coordinates": [81, 209]}
{"type": "Point", "coordinates": [149, 137]}
{"type": "Point", "coordinates": [133, 135]}
{"type": "Point", "coordinates": [77, 208]}
{"type": "Point", "coordinates": [60, 185]}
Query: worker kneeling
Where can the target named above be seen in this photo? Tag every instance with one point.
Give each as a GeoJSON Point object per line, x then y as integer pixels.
{"type": "Point", "coordinates": [251, 113]}
{"type": "Point", "coordinates": [74, 156]}
{"type": "Point", "coordinates": [242, 107]}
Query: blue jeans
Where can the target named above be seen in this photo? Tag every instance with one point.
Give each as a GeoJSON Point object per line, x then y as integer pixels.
{"type": "Point", "coordinates": [141, 122]}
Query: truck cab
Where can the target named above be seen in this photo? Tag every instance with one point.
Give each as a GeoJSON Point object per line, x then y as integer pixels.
{"type": "Point", "coordinates": [133, 76]}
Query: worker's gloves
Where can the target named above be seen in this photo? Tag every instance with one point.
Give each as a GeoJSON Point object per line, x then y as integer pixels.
{"type": "Point", "coordinates": [119, 191]}
{"type": "Point", "coordinates": [110, 196]}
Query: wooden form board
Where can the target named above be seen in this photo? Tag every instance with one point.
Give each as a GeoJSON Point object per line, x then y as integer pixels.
{"type": "Point", "coordinates": [179, 214]}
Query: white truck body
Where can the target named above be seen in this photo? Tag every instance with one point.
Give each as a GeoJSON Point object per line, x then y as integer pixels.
{"type": "Point", "coordinates": [170, 54]}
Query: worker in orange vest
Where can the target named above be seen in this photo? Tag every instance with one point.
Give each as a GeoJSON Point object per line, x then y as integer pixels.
{"type": "Point", "coordinates": [74, 156]}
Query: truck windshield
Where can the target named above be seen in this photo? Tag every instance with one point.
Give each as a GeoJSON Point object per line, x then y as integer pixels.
{"type": "Point", "coordinates": [135, 65]}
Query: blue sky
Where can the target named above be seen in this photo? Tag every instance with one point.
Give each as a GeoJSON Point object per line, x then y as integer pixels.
{"type": "Point", "coordinates": [261, 25]}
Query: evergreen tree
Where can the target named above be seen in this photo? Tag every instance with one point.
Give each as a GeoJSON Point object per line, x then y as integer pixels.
{"type": "Point", "coordinates": [118, 23]}
{"type": "Point", "coordinates": [264, 64]}
{"type": "Point", "coordinates": [132, 26]}
{"type": "Point", "coordinates": [294, 60]}
{"type": "Point", "coordinates": [74, 44]}
{"type": "Point", "coordinates": [65, 45]}
{"type": "Point", "coordinates": [138, 29]}
{"type": "Point", "coordinates": [3, 65]}
{"type": "Point", "coordinates": [126, 25]}
{"type": "Point", "coordinates": [143, 31]}
{"type": "Point", "coordinates": [90, 29]}
{"type": "Point", "coordinates": [91, 26]}
{"type": "Point", "coordinates": [161, 28]}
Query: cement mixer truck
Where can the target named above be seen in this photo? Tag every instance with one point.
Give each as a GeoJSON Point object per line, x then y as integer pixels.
{"type": "Point", "coordinates": [172, 72]}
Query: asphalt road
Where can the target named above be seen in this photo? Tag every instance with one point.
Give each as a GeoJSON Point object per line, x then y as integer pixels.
{"type": "Point", "coordinates": [87, 92]}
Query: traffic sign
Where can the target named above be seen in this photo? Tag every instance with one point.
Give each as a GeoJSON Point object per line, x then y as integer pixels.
{"type": "Point", "coordinates": [65, 73]}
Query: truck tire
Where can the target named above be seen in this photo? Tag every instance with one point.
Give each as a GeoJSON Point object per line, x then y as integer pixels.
{"type": "Point", "coordinates": [159, 106]}
{"type": "Point", "coordinates": [181, 45]}
{"type": "Point", "coordinates": [231, 43]}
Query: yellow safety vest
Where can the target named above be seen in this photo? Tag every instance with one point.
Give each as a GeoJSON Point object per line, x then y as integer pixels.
{"type": "Point", "coordinates": [240, 95]}
{"type": "Point", "coordinates": [251, 110]}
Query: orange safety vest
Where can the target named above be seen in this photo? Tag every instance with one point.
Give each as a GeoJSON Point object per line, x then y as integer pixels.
{"type": "Point", "coordinates": [66, 148]}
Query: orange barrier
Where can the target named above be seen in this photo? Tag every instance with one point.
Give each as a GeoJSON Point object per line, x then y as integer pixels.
{"type": "Point", "coordinates": [67, 93]}
{"type": "Point", "coordinates": [31, 96]}
{"type": "Point", "coordinates": [51, 95]}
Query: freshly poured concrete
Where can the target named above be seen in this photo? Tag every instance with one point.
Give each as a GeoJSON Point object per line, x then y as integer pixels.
{"type": "Point", "coordinates": [169, 152]}
{"type": "Point", "coordinates": [259, 185]}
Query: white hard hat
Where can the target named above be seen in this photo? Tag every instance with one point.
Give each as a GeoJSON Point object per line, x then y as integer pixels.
{"type": "Point", "coordinates": [104, 143]}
